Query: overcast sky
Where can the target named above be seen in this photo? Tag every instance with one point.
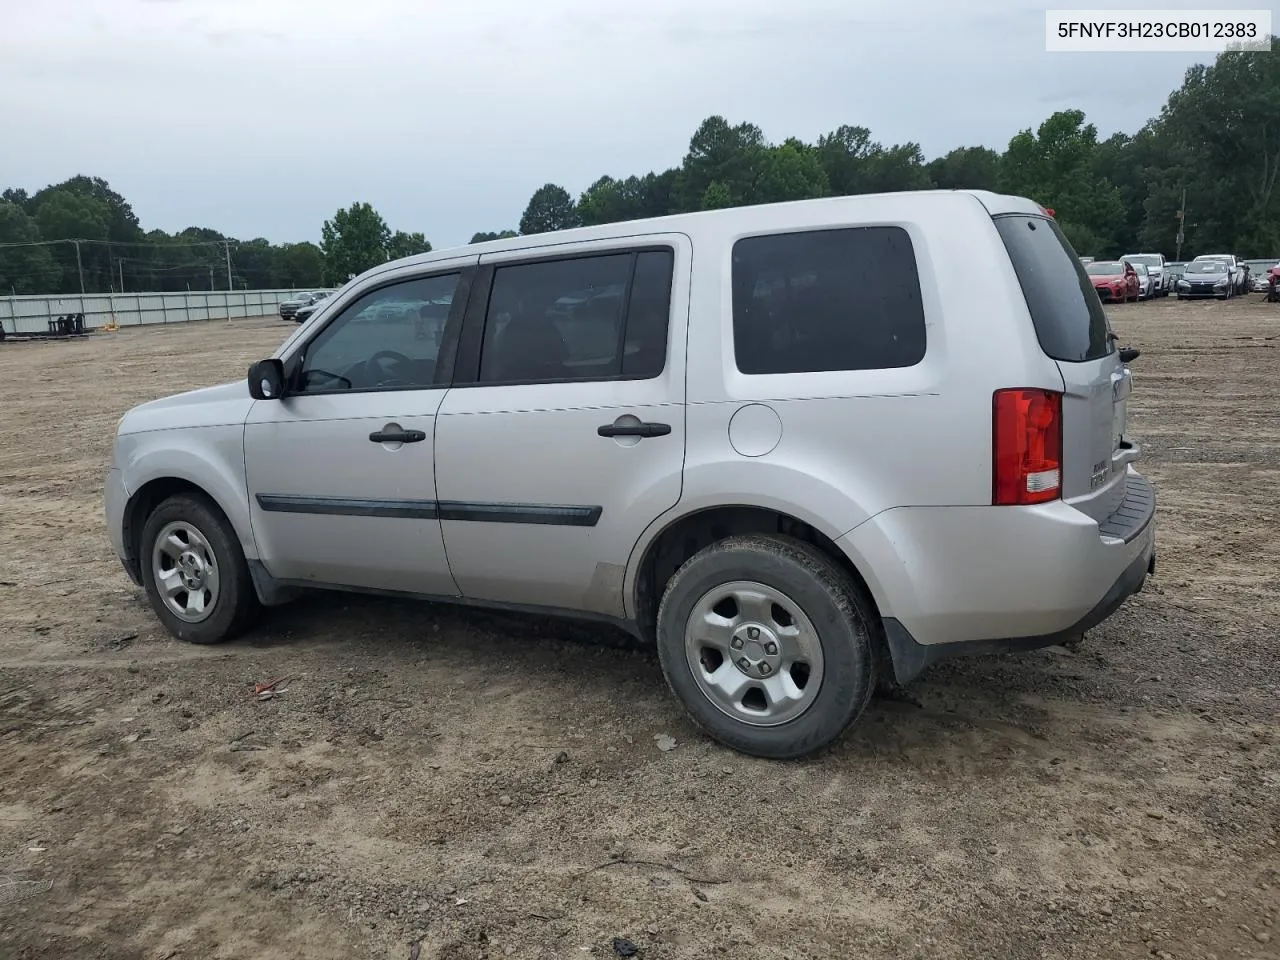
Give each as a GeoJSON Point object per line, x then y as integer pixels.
{"type": "Point", "coordinates": [262, 117]}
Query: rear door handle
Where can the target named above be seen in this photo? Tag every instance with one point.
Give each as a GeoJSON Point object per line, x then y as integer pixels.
{"type": "Point", "coordinates": [394, 433]}
{"type": "Point", "coordinates": [634, 430]}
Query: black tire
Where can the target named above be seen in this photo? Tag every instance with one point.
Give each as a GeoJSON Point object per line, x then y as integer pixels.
{"type": "Point", "coordinates": [842, 617]}
{"type": "Point", "coordinates": [236, 604]}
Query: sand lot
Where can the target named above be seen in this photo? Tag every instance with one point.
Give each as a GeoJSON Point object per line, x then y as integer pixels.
{"type": "Point", "coordinates": [489, 786]}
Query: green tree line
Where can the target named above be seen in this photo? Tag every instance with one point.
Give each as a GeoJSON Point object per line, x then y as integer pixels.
{"type": "Point", "coordinates": [1216, 140]}
{"type": "Point", "coordinates": [115, 254]}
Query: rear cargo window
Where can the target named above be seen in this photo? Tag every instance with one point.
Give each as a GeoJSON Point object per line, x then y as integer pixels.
{"type": "Point", "coordinates": [827, 300]}
{"type": "Point", "coordinates": [1070, 322]}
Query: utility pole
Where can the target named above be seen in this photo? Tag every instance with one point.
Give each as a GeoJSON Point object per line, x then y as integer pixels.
{"type": "Point", "coordinates": [120, 261]}
{"type": "Point", "coordinates": [1182, 221]}
{"type": "Point", "coordinates": [79, 268]}
{"type": "Point", "coordinates": [226, 246]}
{"type": "Point", "coordinates": [210, 276]}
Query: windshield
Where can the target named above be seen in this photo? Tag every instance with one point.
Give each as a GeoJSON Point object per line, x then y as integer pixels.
{"type": "Point", "coordinates": [1150, 260]}
{"type": "Point", "coordinates": [1207, 266]}
{"type": "Point", "coordinates": [1140, 269]}
{"type": "Point", "coordinates": [1104, 269]}
{"type": "Point", "coordinates": [1260, 266]}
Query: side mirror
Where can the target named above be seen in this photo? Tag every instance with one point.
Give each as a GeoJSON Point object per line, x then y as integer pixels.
{"type": "Point", "coordinates": [266, 380]}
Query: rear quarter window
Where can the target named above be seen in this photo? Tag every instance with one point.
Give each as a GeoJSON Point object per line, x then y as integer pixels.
{"type": "Point", "coordinates": [1070, 322]}
{"type": "Point", "coordinates": [822, 300]}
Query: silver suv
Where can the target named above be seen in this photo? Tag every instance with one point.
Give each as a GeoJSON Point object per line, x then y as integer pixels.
{"type": "Point", "coordinates": [799, 446]}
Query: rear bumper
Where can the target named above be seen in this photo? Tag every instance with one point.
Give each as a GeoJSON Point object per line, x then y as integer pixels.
{"type": "Point", "coordinates": [911, 658]}
{"type": "Point", "coordinates": [951, 581]}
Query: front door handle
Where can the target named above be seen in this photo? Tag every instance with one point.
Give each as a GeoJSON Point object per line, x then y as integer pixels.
{"type": "Point", "coordinates": [634, 430]}
{"type": "Point", "coordinates": [394, 433]}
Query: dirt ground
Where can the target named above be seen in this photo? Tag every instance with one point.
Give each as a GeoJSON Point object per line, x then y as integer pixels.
{"type": "Point", "coordinates": [490, 786]}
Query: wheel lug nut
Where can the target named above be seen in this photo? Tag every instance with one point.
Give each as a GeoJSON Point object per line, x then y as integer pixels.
{"type": "Point", "coordinates": [771, 648]}
{"type": "Point", "coordinates": [736, 643]}
{"type": "Point", "coordinates": [744, 664]}
{"type": "Point", "coordinates": [753, 633]}
{"type": "Point", "coordinates": [765, 668]}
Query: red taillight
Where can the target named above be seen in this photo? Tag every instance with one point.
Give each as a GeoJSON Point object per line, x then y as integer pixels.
{"type": "Point", "coordinates": [1026, 447]}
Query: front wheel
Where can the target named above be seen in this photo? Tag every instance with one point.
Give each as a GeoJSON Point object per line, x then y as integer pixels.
{"type": "Point", "coordinates": [768, 644]}
{"type": "Point", "coordinates": [194, 571]}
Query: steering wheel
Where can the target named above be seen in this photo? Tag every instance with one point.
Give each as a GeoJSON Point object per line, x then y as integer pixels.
{"type": "Point", "coordinates": [374, 367]}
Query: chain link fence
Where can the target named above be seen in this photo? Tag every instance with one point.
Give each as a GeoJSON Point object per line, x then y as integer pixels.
{"type": "Point", "coordinates": [28, 315]}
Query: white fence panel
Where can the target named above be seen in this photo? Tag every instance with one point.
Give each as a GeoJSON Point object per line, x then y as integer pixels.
{"type": "Point", "coordinates": [34, 314]}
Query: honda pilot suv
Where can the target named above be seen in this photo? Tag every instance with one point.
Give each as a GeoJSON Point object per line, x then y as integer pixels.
{"type": "Point", "coordinates": [798, 447]}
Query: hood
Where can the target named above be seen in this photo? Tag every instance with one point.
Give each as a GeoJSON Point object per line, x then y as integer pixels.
{"type": "Point", "coordinates": [226, 404]}
{"type": "Point", "coordinates": [1214, 277]}
{"type": "Point", "coordinates": [1107, 281]}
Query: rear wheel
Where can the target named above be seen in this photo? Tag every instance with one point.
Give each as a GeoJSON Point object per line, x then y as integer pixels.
{"type": "Point", "coordinates": [768, 644]}
{"type": "Point", "coordinates": [194, 571]}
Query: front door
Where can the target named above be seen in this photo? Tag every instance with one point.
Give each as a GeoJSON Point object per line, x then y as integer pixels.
{"type": "Point", "coordinates": [340, 471]}
{"type": "Point", "coordinates": [563, 437]}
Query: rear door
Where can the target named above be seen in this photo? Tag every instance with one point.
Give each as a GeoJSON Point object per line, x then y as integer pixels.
{"type": "Point", "coordinates": [563, 435]}
{"type": "Point", "coordinates": [1072, 328]}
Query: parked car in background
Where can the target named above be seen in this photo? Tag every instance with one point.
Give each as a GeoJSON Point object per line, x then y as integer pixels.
{"type": "Point", "coordinates": [1161, 280]}
{"type": "Point", "coordinates": [1175, 269]}
{"type": "Point", "coordinates": [1207, 278]}
{"type": "Point", "coordinates": [770, 440]}
{"type": "Point", "coordinates": [1146, 282]}
{"type": "Point", "coordinates": [1273, 284]}
{"type": "Point", "coordinates": [290, 307]}
{"type": "Point", "coordinates": [303, 313]}
{"type": "Point", "coordinates": [1235, 269]}
{"type": "Point", "coordinates": [1260, 273]}
{"type": "Point", "coordinates": [1087, 260]}
{"type": "Point", "coordinates": [1115, 280]}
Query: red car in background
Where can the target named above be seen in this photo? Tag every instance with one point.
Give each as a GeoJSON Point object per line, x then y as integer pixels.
{"type": "Point", "coordinates": [1115, 280]}
{"type": "Point", "coordinates": [1273, 284]}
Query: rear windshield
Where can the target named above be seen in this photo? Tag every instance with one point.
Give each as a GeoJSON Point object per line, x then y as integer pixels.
{"type": "Point", "coordinates": [1070, 322]}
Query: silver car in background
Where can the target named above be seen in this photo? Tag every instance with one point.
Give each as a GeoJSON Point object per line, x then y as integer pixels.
{"type": "Point", "coordinates": [1260, 274]}
{"type": "Point", "coordinates": [1161, 278]}
{"type": "Point", "coordinates": [1147, 282]}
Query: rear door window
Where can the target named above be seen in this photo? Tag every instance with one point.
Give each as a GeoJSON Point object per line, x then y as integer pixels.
{"type": "Point", "coordinates": [846, 299]}
{"type": "Point", "coordinates": [581, 318]}
{"type": "Point", "coordinates": [1070, 322]}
